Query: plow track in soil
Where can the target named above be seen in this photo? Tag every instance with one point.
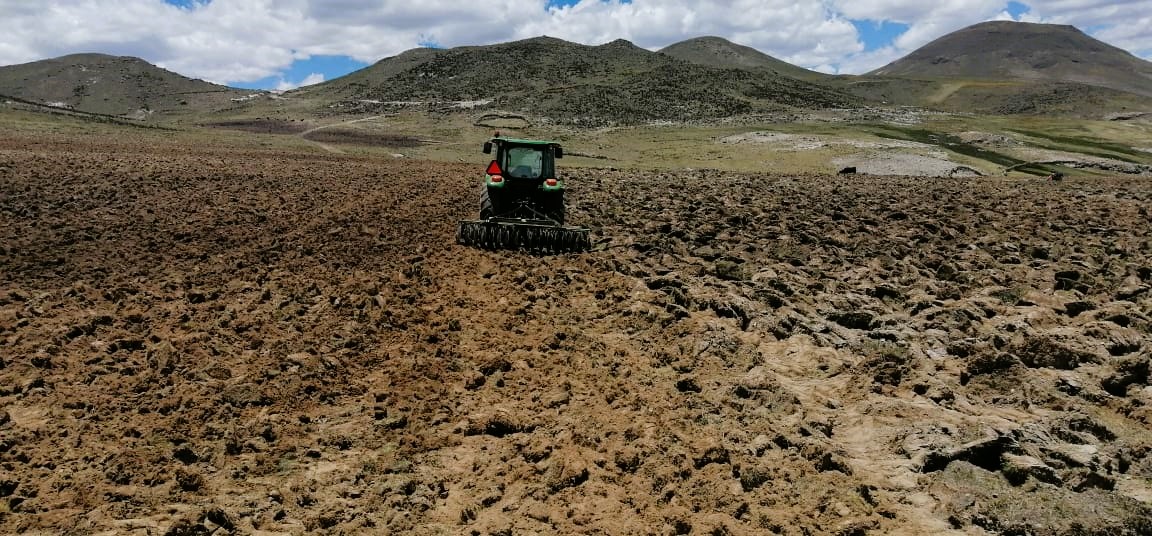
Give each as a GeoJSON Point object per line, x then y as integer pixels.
{"type": "Point", "coordinates": [208, 339]}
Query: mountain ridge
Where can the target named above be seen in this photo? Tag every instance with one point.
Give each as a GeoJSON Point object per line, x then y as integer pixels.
{"type": "Point", "coordinates": [1045, 69]}
{"type": "Point", "coordinates": [106, 84]}
{"type": "Point", "coordinates": [717, 51]}
{"type": "Point", "coordinates": [611, 83]}
{"type": "Point", "coordinates": [1025, 51]}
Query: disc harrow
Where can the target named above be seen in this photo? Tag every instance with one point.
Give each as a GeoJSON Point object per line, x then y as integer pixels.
{"type": "Point", "coordinates": [533, 236]}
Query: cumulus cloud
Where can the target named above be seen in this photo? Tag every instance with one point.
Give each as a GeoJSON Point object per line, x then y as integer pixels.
{"type": "Point", "coordinates": [236, 41]}
{"type": "Point", "coordinates": [312, 79]}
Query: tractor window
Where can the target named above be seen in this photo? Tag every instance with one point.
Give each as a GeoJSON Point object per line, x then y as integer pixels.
{"type": "Point", "coordinates": [525, 162]}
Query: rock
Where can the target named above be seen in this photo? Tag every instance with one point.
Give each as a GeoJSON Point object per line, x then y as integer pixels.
{"type": "Point", "coordinates": [713, 454]}
{"type": "Point", "coordinates": [1131, 293]}
{"type": "Point", "coordinates": [754, 476]}
{"type": "Point", "coordinates": [1069, 386]}
{"type": "Point", "coordinates": [762, 386]}
{"type": "Point", "coordinates": [1073, 455]}
{"type": "Point", "coordinates": [189, 480]}
{"type": "Point", "coordinates": [730, 271]}
{"type": "Point", "coordinates": [220, 518]}
{"type": "Point", "coordinates": [244, 394]}
{"type": "Point", "coordinates": [537, 511]}
{"type": "Point", "coordinates": [885, 292]}
{"type": "Point", "coordinates": [1017, 469]}
{"type": "Point", "coordinates": [1073, 309]}
{"type": "Point", "coordinates": [1069, 280]}
{"type": "Point", "coordinates": [1092, 479]}
{"type": "Point", "coordinates": [628, 459]}
{"type": "Point", "coordinates": [986, 453]}
{"type": "Point", "coordinates": [1042, 352]}
{"type": "Point", "coordinates": [758, 378]}
{"type": "Point", "coordinates": [861, 320]}
{"type": "Point", "coordinates": [331, 516]}
{"type": "Point", "coordinates": [1129, 371]}
{"type": "Point", "coordinates": [474, 380]}
{"type": "Point", "coordinates": [707, 253]}
{"type": "Point", "coordinates": [565, 470]}
{"type": "Point", "coordinates": [946, 272]}
{"type": "Point", "coordinates": [687, 385]}
{"type": "Point", "coordinates": [185, 455]}
{"type": "Point", "coordinates": [498, 424]}
{"type": "Point", "coordinates": [557, 398]}
{"type": "Point", "coordinates": [1124, 342]}
{"type": "Point", "coordinates": [760, 444]}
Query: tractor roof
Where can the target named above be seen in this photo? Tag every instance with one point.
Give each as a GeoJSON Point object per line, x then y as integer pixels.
{"type": "Point", "coordinates": [517, 141]}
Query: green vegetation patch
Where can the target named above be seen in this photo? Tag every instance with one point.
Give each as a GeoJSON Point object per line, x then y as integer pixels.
{"type": "Point", "coordinates": [1103, 149]}
{"type": "Point", "coordinates": [954, 144]}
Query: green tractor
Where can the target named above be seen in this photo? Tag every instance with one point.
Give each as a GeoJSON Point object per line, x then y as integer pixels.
{"type": "Point", "coordinates": [522, 201]}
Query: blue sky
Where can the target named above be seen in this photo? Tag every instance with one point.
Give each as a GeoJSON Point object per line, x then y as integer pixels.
{"type": "Point", "coordinates": [328, 66]}
{"type": "Point", "coordinates": [281, 44]}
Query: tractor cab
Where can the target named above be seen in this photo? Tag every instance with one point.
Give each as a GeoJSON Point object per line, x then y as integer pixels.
{"type": "Point", "coordinates": [524, 159]}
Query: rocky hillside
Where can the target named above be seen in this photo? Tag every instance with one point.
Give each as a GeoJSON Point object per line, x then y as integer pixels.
{"type": "Point", "coordinates": [113, 85]}
{"type": "Point", "coordinates": [613, 83]}
{"type": "Point", "coordinates": [1025, 51]}
{"type": "Point", "coordinates": [720, 52]}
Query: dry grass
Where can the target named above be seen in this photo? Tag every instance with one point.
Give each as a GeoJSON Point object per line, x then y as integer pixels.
{"type": "Point", "coordinates": [817, 144]}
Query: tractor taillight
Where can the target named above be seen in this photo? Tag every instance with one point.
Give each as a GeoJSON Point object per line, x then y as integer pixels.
{"type": "Point", "coordinates": [550, 182]}
{"type": "Point", "coordinates": [496, 178]}
{"type": "Point", "coordinates": [493, 169]}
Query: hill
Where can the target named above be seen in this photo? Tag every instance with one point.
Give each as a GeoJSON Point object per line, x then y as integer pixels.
{"type": "Point", "coordinates": [113, 85]}
{"type": "Point", "coordinates": [1006, 50]}
{"type": "Point", "coordinates": [613, 83]}
{"type": "Point", "coordinates": [720, 52]}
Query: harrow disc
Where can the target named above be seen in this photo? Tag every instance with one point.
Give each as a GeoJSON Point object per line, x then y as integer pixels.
{"type": "Point", "coordinates": [523, 236]}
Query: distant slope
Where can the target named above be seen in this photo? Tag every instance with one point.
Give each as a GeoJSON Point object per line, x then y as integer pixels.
{"type": "Point", "coordinates": [113, 85]}
{"type": "Point", "coordinates": [613, 83]}
{"type": "Point", "coordinates": [1025, 51]}
{"type": "Point", "coordinates": [720, 52]}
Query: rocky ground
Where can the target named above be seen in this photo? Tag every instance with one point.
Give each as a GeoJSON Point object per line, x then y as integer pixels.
{"type": "Point", "coordinates": [201, 340]}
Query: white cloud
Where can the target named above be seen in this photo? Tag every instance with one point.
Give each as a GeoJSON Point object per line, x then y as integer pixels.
{"type": "Point", "coordinates": [234, 41]}
{"type": "Point", "coordinates": [312, 79]}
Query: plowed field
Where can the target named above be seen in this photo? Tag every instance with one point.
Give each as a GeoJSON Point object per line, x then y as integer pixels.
{"type": "Point", "coordinates": [200, 340]}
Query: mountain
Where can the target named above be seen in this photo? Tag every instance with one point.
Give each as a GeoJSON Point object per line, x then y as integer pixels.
{"type": "Point", "coordinates": [613, 83]}
{"type": "Point", "coordinates": [720, 52]}
{"type": "Point", "coordinates": [113, 85]}
{"type": "Point", "coordinates": [1005, 50]}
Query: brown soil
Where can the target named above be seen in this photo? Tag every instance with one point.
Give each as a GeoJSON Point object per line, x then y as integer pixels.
{"type": "Point", "coordinates": [361, 137]}
{"type": "Point", "coordinates": [201, 340]}
{"type": "Point", "coordinates": [323, 134]}
{"type": "Point", "coordinates": [262, 126]}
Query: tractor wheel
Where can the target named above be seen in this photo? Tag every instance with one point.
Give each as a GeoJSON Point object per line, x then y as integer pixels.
{"type": "Point", "coordinates": [485, 203]}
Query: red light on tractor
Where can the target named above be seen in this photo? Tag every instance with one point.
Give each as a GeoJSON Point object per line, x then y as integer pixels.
{"type": "Point", "coordinates": [496, 179]}
{"type": "Point", "coordinates": [550, 182]}
{"type": "Point", "coordinates": [493, 169]}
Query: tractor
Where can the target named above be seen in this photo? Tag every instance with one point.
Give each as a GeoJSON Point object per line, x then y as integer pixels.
{"type": "Point", "coordinates": [522, 201]}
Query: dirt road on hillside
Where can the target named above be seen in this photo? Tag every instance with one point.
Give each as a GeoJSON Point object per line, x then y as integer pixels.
{"type": "Point", "coordinates": [219, 341]}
